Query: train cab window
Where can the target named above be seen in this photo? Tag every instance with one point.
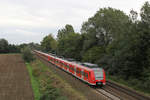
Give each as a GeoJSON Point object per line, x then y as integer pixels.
{"type": "Point", "coordinates": [98, 73]}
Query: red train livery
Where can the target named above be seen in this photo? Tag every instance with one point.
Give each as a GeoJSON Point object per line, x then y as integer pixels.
{"type": "Point", "coordinates": [89, 73]}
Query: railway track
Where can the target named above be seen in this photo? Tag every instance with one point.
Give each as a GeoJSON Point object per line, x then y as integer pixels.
{"type": "Point", "coordinates": [107, 94]}
{"type": "Point", "coordinates": [113, 91]}
{"type": "Point", "coordinates": [125, 92]}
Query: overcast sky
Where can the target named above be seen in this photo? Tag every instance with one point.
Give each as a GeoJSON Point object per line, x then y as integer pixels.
{"type": "Point", "coordinates": [24, 21]}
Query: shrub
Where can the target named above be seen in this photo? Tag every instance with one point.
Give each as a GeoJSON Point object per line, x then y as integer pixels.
{"type": "Point", "coordinates": [48, 91]}
{"type": "Point", "coordinates": [27, 55]}
{"type": "Point", "coordinates": [36, 72]}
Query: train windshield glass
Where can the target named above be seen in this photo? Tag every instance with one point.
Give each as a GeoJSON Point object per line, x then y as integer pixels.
{"type": "Point", "coordinates": [98, 73]}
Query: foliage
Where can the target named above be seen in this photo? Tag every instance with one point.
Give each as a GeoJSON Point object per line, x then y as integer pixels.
{"type": "Point", "coordinates": [27, 54]}
{"type": "Point", "coordinates": [65, 31]}
{"type": "Point", "coordinates": [93, 54]}
{"type": "Point", "coordinates": [49, 43]}
{"type": "Point", "coordinates": [106, 25]}
{"type": "Point", "coordinates": [70, 43]}
{"type": "Point", "coordinates": [49, 92]}
{"type": "Point", "coordinates": [5, 47]}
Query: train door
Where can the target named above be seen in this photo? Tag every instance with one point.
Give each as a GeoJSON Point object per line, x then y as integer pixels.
{"type": "Point", "coordinates": [89, 76]}
{"type": "Point", "coordinates": [73, 69]}
{"type": "Point", "coordinates": [78, 72]}
{"type": "Point", "coordinates": [85, 74]}
{"type": "Point", "coordinates": [61, 64]}
{"type": "Point", "coordinates": [68, 65]}
{"type": "Point", "coordinates": [48, 58]}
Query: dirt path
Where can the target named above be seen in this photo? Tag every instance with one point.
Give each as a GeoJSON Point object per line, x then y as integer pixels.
{"type": "Point", "coordinates": [14, 79]}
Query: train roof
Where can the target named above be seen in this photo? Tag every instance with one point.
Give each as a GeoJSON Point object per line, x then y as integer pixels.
{"type": "Point", "coordinates": [79, 64]}
{"type": "Point", "coordinates": [90, 65]}
{"type": "Point", "coordinates": [73, 62]}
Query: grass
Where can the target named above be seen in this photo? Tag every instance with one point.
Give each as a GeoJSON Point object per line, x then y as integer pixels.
{"type": "Point", "coordinates": [34, 82]}
{"type": "Point", "coordinates": [47, 84]}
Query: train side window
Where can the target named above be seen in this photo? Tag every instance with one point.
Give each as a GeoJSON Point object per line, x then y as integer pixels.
{"type": "Point", "coordinates": [67, 65]}
{"type": "Point", "coordinates": [78, 71]}
{"type": "Point", "coordinates": [63, 65]}
{"type": "Point", "coordinates": [82, 73]}
{"type": "Point", "coordinates": [85, 74]}
{"type": "Point", "coordinates": [72, 68]}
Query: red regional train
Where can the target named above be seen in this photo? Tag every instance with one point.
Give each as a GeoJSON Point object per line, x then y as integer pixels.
{"type": "Point", "coordinates": [89, 73]}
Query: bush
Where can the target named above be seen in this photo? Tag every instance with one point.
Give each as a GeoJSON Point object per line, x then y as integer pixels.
{"type": "Point", "coordinates": [27, 55]}
{"type": "Point", "coordinates": [48, 91]}
{"type": "Point", "coordinates": [36, 72]}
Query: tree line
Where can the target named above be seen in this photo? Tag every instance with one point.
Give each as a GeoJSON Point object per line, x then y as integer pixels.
{"type": "Point", "coordinates": [6, 47]}
{"type": "Point", "coordinates": [118, 42]}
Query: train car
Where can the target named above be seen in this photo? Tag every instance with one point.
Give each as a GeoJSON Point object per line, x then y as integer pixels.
{"type": "Point", "coordinates": [89, 73]}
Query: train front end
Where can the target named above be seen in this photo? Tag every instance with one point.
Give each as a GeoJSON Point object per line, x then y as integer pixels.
{"type": "Point", "coordinates": [99, 77]}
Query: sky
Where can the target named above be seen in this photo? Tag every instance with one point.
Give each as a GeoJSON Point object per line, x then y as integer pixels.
{"type": "Point", "coordinates": [24, 21]}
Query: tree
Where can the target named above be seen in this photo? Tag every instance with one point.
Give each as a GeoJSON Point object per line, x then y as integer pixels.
{"type": "Point", "coordinates": [106, 25]}
{"type": "Point", "coordinates": [14, 48]}
{"type": "Point", "coordinates": [65, 31]}
{"type": "Point", "coordinates": [145, 14]}
{"type": "Point", "coordinates": [4, 46]}
{"type": "Point", "coordinates": [36, 46]}
{"type": "Point", "coordinates": [93, 54]}
{"type": "Point", "coordinates": [26, 54]}
{"type": "Point", "coordinates": [49, 43]}
{"type": "Point", "coordinates": [128, 53]}
{"type": "Point", "coordinates": [133, 16]}
{"type": "Point", "coordinates": [69, 43]}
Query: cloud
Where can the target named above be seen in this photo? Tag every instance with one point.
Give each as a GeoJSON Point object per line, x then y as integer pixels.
{"type": "Point", "coordinates": [31, 20]}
